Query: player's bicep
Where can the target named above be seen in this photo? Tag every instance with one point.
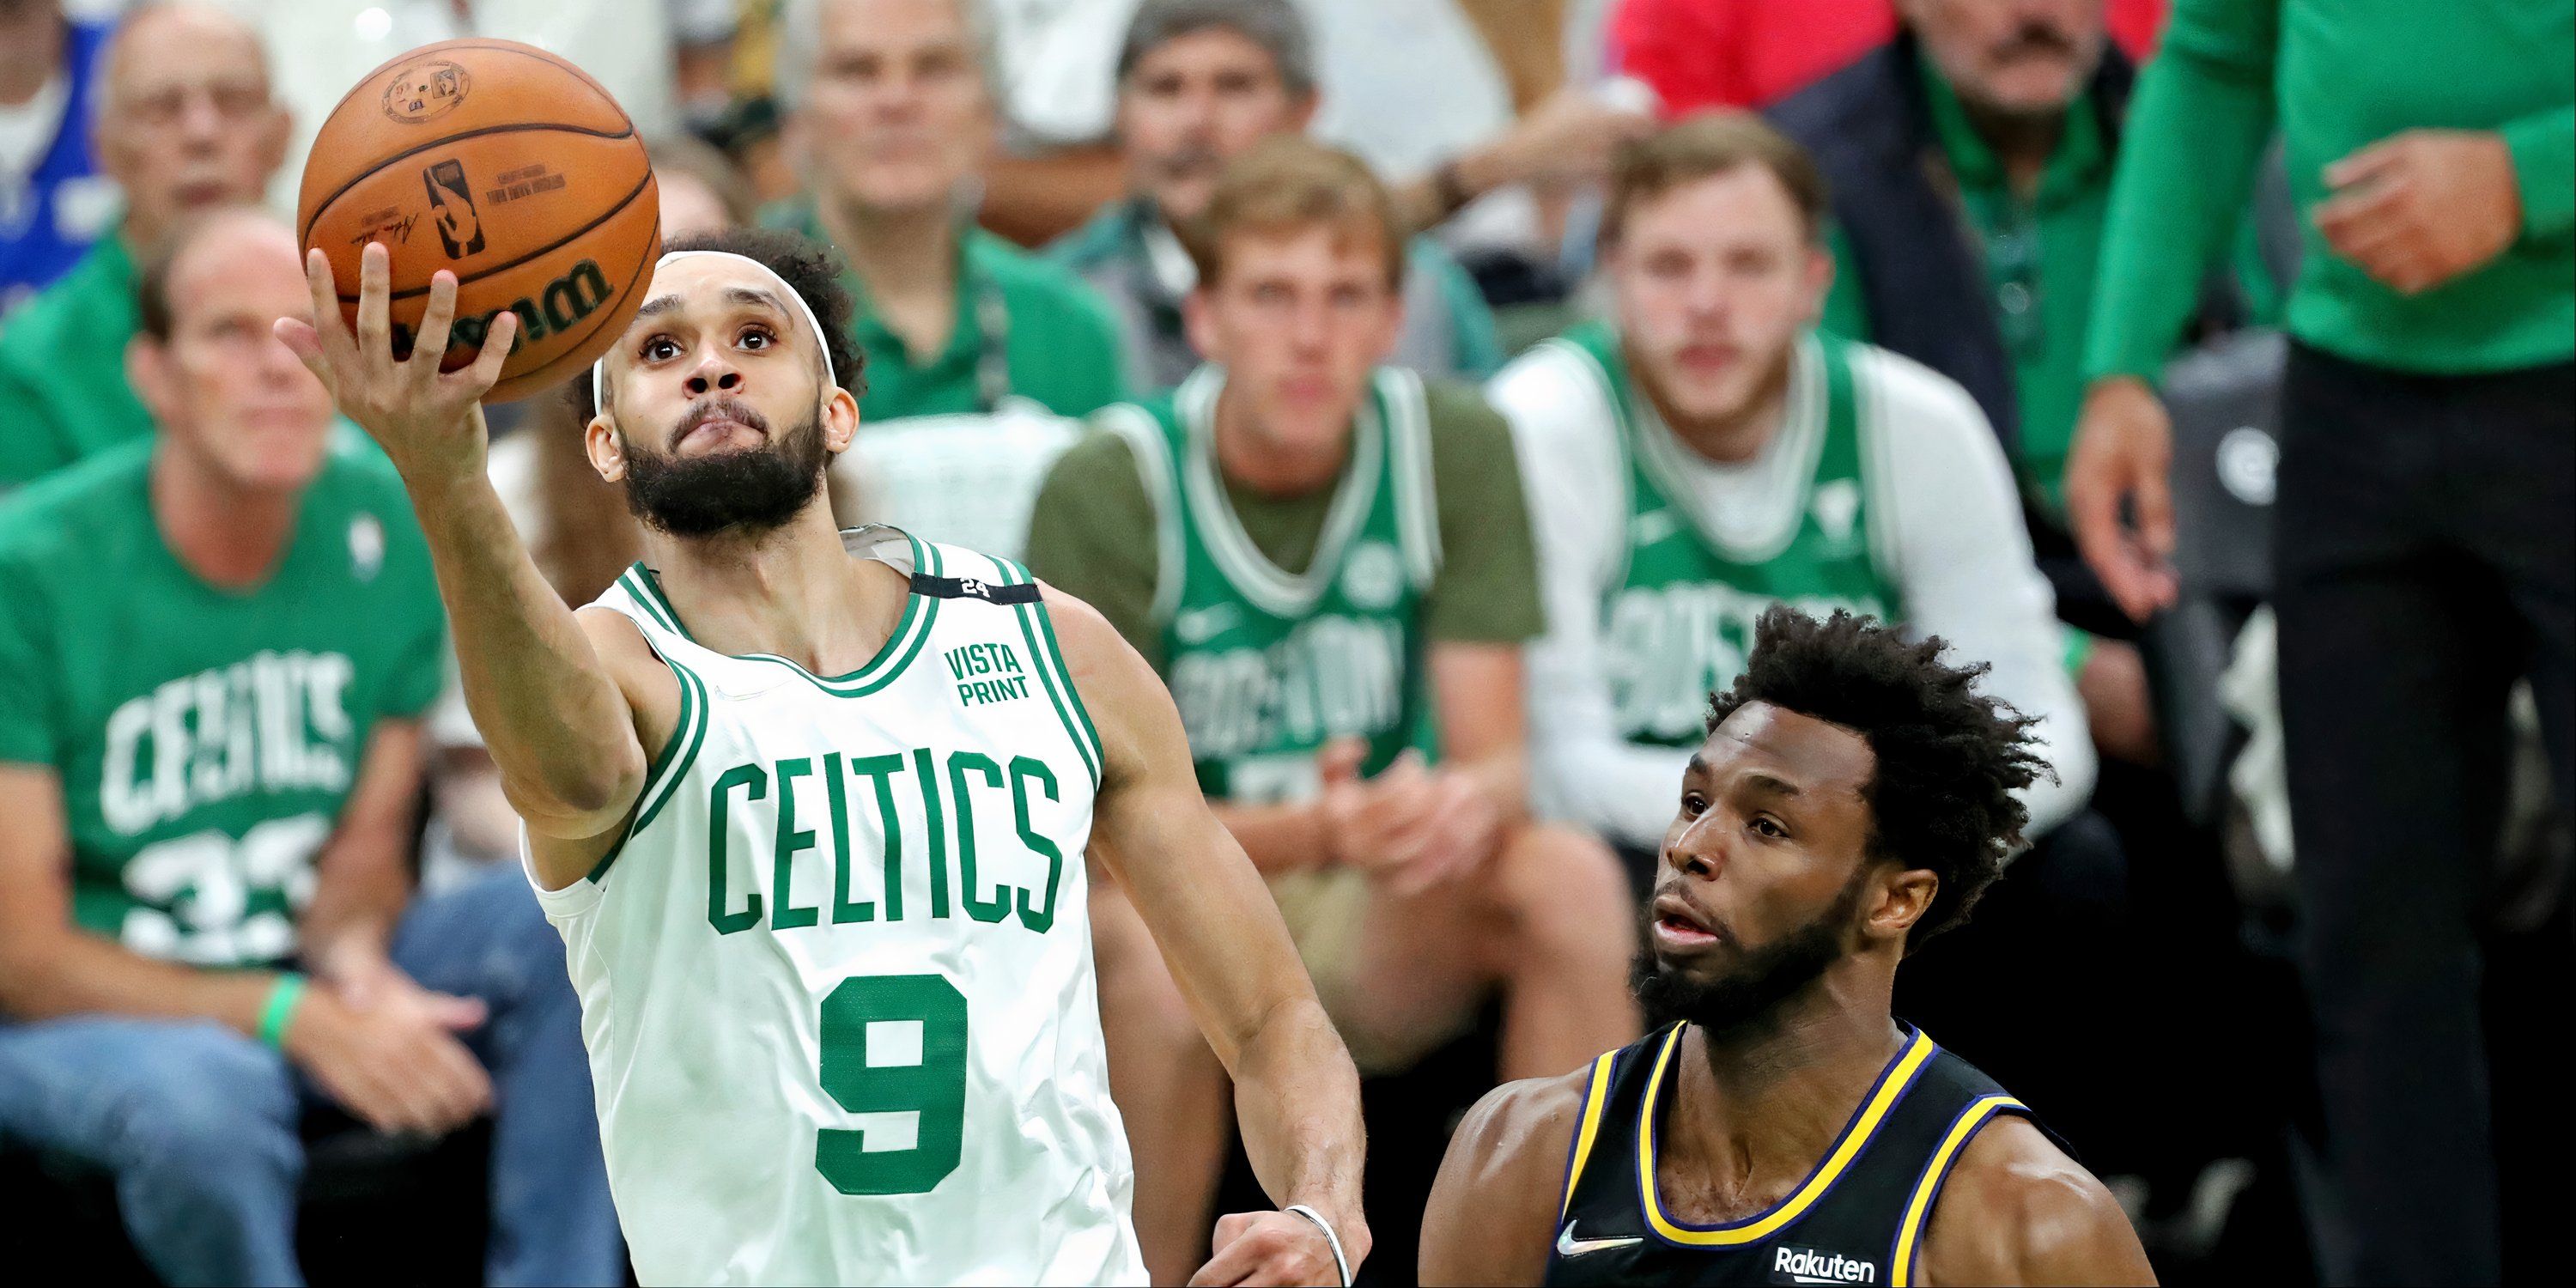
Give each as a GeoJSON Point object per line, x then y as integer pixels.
{"type": "Point", "coordinates": [1207, 907]}
{"type": "Point", "coordinates": [1494, 1205]}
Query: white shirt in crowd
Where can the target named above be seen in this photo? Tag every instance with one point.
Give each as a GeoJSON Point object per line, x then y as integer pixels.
{"type": "Point", "coordinates": [1943, 495]}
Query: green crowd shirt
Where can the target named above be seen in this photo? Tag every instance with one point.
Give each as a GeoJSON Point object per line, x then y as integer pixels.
{"type": "Point", "coordinates": [207, 738]}
{"type": "Point", "coordinates": [1025, 328]}
{"type": "Point", "coordinates": [1093, 534]}
{"type": "Point", "coordinates": [63, 395]}
{"type": "Point", "coordinates": [2342, 75]}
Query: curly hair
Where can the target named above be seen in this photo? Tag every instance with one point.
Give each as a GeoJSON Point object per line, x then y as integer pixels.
{"type": "Point", "coordinates": [810, 268]}
{"type": "Point", "coordinates": [1949, 759]}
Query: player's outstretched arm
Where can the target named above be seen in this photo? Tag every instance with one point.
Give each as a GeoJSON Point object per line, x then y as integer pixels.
{"type": "Point", "coordinates": [1296, 1093]}
{"type": "Point", "coordinates": [1496, 1202]}
{"type": "Point", "coordinates": [2017, 1210]}
{"type": "Point", "coordinates": [555, 710]}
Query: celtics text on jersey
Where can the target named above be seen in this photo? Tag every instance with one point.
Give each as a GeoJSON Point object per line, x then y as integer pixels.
{"type": "Point", "coordinates": [836, 978]}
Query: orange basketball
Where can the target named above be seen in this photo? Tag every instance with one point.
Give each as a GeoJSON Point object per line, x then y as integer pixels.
{"type": "Point", "coordinates": [507, 165]}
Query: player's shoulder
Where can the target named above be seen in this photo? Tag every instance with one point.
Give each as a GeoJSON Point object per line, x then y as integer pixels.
{"type": "Point", "coordinates": [72, 512]}
{"type": "Point", "coordinates": [2017, 1208]}
{"type": "Point", "coordinates": [1552, 391]}
{"type": "Point", "coordinates": [1911, 394]}
{"type": "Point", "coordinates": [1523, 1128]}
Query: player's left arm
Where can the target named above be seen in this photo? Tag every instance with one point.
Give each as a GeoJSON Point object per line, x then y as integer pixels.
{"type": "Point", "coordinates": [1296, 1092]}
{"type": "Point", "coordinates": [2017, 1210]}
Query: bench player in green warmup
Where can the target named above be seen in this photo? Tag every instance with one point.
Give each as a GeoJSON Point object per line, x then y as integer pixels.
{"type": "Point", "coordinates": [1329, 562]}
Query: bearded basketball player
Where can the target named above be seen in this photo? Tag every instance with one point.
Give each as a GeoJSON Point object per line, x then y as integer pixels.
{"type": "Point", "coordinates": [1853, 797]}
{"type": "Point", "coordinates": [810, 808]}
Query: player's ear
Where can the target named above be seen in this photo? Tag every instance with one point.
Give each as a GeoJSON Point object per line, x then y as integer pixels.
{"type": "Point", "coordinates": [147, 369]}
{"type": "Point", "coordinates": [1904, 895]}
{"type": "Point", "coordinates": [607, 455]}
{"type": "Point", "coordinates": [840, 420]}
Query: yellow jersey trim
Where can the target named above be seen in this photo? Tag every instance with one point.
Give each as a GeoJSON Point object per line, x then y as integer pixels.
{"type": "Point", "coordinates": [1891, 1085]}
{"type": "Point", "coordinates": [1909, 1234]}
{"type": "Point", "coordinates": [1590, 1130]}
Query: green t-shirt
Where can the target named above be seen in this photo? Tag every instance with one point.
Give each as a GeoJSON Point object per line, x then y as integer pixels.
{"type": "Point", "coordinates": [63, 394]}
{"type": "Point", "coordinates": [1319, 606]}
{"type": "Point", "coordinates": [206, 738]}
{"type": "Point", "coordinates": [2340, 75]}
{"type": "Point", "coordinates": [1025, 328]}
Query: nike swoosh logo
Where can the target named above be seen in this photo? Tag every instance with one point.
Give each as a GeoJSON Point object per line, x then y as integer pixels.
{"type": "Point", "coordinates": [1569, 1246]}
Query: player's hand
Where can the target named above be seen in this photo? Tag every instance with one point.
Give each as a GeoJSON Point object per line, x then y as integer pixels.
{"type": "Point", "coordinates": [428, 421]}
{"type": "Point", "coordinates": [2423, 207]}
{"type": "Point", "coordinates": [1275, 1248]}
{"type": "Point", "coordinates": [386, 1049]}
{"type": "Point", "coordinates": [2123, 452]}
{"type": "Point", "coordinates": [1458, 828]}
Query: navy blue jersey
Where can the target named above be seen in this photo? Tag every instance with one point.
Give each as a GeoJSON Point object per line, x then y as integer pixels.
{"type": "Point", "coordinates": [1858, 1218]}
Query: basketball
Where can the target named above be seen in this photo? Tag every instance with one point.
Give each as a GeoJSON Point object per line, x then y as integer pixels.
{"type": "Point", "coordinates": [512, 168]}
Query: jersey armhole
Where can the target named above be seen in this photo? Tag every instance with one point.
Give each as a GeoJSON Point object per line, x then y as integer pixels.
{"type": "Point", "coordinates": [1160, 474]}
{"type": "Point", "coordinates": [1587, 1130]}
{"type": "Point", "coordinates": [661, 782]}
{"type": "Point", "coordinates": [1037, 629]}
{"type": "Point", "coordinates": [1903, 1255]}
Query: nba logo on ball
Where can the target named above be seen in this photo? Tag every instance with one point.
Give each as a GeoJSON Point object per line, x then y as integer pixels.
{"type": "Point", "coordinates": [451, 199]}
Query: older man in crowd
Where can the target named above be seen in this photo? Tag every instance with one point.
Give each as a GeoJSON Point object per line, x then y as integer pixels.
{"type": "Point", "coordinates": [185, 123]}
{"type": "Point", "coordinates": [891, 106]}
{"type": "Point", "coordinates": [216, 644]}
{"type": "Point", "coordinates": [1199, 83]}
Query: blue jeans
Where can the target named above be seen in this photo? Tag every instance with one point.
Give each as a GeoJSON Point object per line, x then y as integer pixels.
{"type": "Point", "coordinates": [198, 1124]}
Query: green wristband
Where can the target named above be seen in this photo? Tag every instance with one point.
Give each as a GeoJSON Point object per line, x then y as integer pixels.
{"type": "Point", "coordinates": [280, 1011]}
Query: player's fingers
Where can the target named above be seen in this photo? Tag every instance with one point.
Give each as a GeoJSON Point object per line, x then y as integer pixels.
{"type": "Point", "coordinates": [1234, 1262]}
{"type": "Point", "coordinates": [327, 322]}
{"type": "Point", "coordinates": [486, 370]}
{"type": "Point", "coordinates": [305, 343]}
{"type": "Point", "coordinates": [375, 303]}
{"type": "Point", "coordinates": [436, 320]}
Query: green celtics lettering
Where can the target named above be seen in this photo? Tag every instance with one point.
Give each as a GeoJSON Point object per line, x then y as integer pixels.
{"type": "Point", "coordinates": [808, 798]}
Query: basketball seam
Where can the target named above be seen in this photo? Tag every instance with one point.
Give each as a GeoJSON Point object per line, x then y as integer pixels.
{"type": "Point", "coordinates": [558, 244]}
{"type": "Point", "coordinates": [373, 170]}
{"type": "Point", "coordinates": [493, 43]}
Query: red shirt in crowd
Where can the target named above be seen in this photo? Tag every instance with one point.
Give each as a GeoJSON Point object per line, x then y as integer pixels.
{"type": "Point", "coordinates": [1700, 54]}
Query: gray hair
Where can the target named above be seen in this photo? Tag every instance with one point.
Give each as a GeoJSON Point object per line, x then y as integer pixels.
{"type": "Point", "coordinates": [1275, 25]}
{"type": "Point", "coordinates": [799, 42]}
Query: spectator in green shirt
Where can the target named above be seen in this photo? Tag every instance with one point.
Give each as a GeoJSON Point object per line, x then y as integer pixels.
{"type": "Point", "coordinates": [892, 104]}
{"type": "Point", "coordinates": [1199, 82]}
{"type": "Point", "coordinates": [185, 124]}
{"type": "Point", "coordinates": [2422, 551]}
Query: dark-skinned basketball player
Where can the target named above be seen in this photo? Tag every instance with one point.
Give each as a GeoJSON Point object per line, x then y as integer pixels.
{"type": "Point", "coordinates": [1853, 798]}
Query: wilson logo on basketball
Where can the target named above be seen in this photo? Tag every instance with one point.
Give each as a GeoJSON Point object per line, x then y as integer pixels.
{"type": "Point", "coordinates": [563, 305]}
{"type": "Point", "coordinates": [426, 92]}
{"type": "Point", "coordinates": [451, 206]}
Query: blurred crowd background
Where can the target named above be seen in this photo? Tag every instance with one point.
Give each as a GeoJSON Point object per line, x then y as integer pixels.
{"type": "Point", "coordinates": [2201, 365]}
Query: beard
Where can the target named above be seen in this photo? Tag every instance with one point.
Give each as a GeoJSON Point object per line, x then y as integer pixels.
{"type": "Point", "coordinates": [750, 491]}
{"type": "Point", "coordinates": [1749, 993]}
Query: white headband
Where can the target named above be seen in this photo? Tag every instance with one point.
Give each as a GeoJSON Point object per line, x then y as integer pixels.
{"type": "Point", "coordinates": [831, 377]}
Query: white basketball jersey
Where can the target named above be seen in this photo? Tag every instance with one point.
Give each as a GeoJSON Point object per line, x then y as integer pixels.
{"type": "Point", "coordinates": [836, 981]}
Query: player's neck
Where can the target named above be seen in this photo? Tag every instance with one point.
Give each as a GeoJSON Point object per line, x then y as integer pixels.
{"type": "Point", "coordinates": [899, 253]}
{"type": "Point", "coordinates": [1756, 1108]}
{"type": "Point", "coordinates": [230, 537]}
{"type": "Point", "coordinates": [793, 592]}
{"type": "Point", "coordinates": [1248, 454]}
